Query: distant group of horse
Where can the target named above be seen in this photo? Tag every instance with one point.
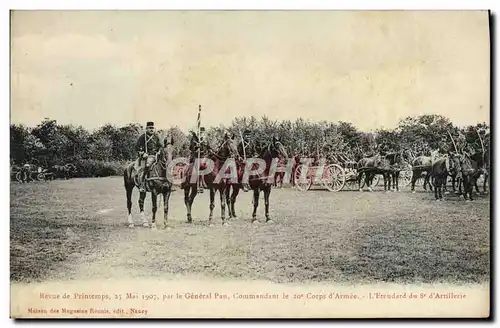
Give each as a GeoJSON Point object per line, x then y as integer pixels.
{"type": "Point", "coordinates": [463, 168]}
{"type": "Point", "coordinates": [31, 172]}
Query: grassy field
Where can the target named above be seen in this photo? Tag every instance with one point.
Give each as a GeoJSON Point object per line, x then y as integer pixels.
{"type": "Point", "coordinates": [76, 229]}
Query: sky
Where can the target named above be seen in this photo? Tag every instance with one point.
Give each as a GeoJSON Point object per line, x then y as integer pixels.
{"type": "Point", "coordinates": [370, 68]}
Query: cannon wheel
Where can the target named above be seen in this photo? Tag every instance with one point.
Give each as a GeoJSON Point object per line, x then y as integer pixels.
{"type": "Point", "coordinates": [334, 178]}
{"type": "Point", "coordinates": [41, 176]}
{"type": "Point", "coordinates": [302, 184]}
{"type": "Point", "coordinates": [19, 176]}
{"type": "Point", "coordinates": [351, 179]}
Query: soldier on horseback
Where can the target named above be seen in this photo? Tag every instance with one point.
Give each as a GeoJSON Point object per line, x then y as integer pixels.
{"type": "Point", "coordinates": [147, 144]}
{"type": "Point", "coordinates": [198, 146]}
{"type": "Point", "coordinates": [247, 148]}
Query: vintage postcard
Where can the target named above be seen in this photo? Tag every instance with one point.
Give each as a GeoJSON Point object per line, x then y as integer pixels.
{"type": "Point", "coordinates": [250, 164]}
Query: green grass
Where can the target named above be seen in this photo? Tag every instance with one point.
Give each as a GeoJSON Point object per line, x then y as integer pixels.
{"type": "Point", "coordinates": [345, 237]}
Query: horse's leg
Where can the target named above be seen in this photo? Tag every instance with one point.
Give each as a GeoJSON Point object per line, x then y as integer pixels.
{"type": "Point", "coordinates": [154, 203]}
{"type": "Point", "coordinates": [142, 197]}
{"type": "Point", "coordinates": [187, 189]}
{"type": "Point", "coordinates": [166, 199]}
{"type": "Point", "coordinates": [485, 182]}
{"type": "Point", "coordinates": [129, 188]}
{"type": "Point", "coordinates": [267, 193]}
{"type": "Point", "coordinates": [360, 178]}
{"type": "Point", "coordinates": [369, 181]}
{"type": "Point", "coordinates": [396, 178]}
{"type": "Point", "coordinates": [212, 204]}
{"type": "Point", "coordinates": [435, 189]}
{"type": "Point", "coordinates": [472, 184]}
{"type": "Point", "coordinates": [223, 192]}
{"type": "Point", "coordinates": [228, 200]}
{"type": "Point", "coordinates": [465, 181]}
{"type": "Point", "coordinates": [234, 195]}
{"type": "Point", "coordinates": [475, 185]}
{"type": "Point", "coordinates": [414, 177]}
{"type": "Point", "coordinates": [256, 194]}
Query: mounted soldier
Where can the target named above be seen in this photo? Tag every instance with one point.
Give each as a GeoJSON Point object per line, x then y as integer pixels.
{"type": "Point", "coordinates": [147, 146]}
{"type": "Point", "coordinates": [198, 146]}
{"type": "Point", "coordinates": [247, 148]}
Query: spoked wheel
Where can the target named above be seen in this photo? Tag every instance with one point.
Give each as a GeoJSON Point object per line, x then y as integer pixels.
{"type": "Point", "coordinates": [303, 183]}
{"type": "Point", "coordinates": [351, 180]}
{"type": "Point", "coordinates": [19, 176]}
{"type": "Point", "coordinates": [40, 176]}
{"type": "Point", "coordinates": [376, 180]}
{"type": "Point", "coordinates": [405, 177]}
{"type": "Point", "coordinates": [334, 177]}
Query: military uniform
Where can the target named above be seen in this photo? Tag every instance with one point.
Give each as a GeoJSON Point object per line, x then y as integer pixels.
{"type": "Point", "coordinates": [147, 144]}
{"type": "Point", "coordinates": [247, 148]}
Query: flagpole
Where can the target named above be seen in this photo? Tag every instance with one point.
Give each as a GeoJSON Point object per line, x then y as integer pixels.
{"type": "Point", "coordinates": [199, 146]}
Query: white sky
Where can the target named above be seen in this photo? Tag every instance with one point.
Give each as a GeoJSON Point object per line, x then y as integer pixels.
{"type": "Point", "coordinates": [370, 68]}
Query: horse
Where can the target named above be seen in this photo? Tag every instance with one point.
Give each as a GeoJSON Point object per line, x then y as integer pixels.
{"type": "Point", "coordinates": [423, 165]}
{"type": "Point", "coordinates": [439, 174]}
{"type": "Point", "coordinates": [158, 182]}
{"type": "Point", "coordinates": [393, 161]}
{"type": "Point", "coordinates": [369, 167]}
{"type": "Point", "coordinates": [260, 182]}
{"type": "Point", "coordinates": [63, 171]}
{"type": "Point", "coordinates": [482, 158]}
{"type": "Point", "coordinates": [469, 171]}
{"type": "Point", "coordinates": [227, 151]}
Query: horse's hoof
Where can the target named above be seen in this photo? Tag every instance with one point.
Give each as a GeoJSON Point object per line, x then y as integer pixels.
{"type": "Point", "coordinates": [210, 224]}
{"type": "Point", "coordinates": [413, 192]}
{"type": "Point", "coordinates": [360, 190]}
{"type": "Point", "coordinates": [446, 192]}
{"type": "Point", "coordinates": [146, 225]}
{"type": "Point", "coordinates": [168, 228]}
{"type": "Point", "coordinates": [130, 225]}
{"type": "Point", "coordinates": [153, 227]}
{"type": "Point", "coordinates": [255, 221]}
{"type": "Point", "coordinates": [225, 223]}
{"type": "Point", "coordinates": [269, 221]}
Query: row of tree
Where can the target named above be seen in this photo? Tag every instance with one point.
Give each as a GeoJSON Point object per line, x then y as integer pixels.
{"type": "Point", "coordinates": [49, 143]}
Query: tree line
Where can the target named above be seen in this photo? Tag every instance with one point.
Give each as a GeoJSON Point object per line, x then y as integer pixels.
{"type": "Point", "coordinates": [110, 147]}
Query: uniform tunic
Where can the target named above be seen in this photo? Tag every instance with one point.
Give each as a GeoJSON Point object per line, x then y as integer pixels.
{"type": "Point", "coordinates": [153, 144]}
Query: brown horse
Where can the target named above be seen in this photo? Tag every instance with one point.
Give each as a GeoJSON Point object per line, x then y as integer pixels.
{"type": "Point", "coordinates": [423, 165]}
{"type": "Point", "coordinates": [157, 182]}
{"type": "Point", "coordinates": [221, 159]}
{"type": "Point", "coordinates": [469, 171]}
{"type": "Point", "coordinates": [368, 167]}
{"type": "Point", "coordinates": [260, 181]}
{"type": "Point", "coordinates": [482, 158]}
{"type": "Point", "coordinates": [441, 168]}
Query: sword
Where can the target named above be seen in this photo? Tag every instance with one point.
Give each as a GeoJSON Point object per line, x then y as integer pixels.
{"type": "Point", "coordinates": [243, 144]}
{"type": "Point", "coordinates": [480, 139]}
{"type": "Point", "coordinates": [454, 145]}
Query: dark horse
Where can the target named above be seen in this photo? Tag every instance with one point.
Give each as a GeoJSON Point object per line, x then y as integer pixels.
{"type": "Point", "coordinates": [482, 159]}
{"type": "Point", "coordinates": [469, 171]}
{"type": "Point", "coordinates": [368, 167]}
{"type": "Point", "coordinates": [394, 162]}
{"type": "Point", "coordinates": [271, 153]}
{"type": "Point", "coordinates": [423, 165]}
{"type": "Point", "coordinates": [157, 182]}
{"type": "Point", "coordinates": [226, 155]}
{"type": "Point", "coordinates": [441, 168]}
